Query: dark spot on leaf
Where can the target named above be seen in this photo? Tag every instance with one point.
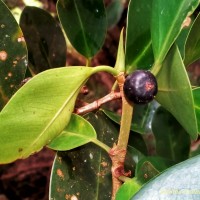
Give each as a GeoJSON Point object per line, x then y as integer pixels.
{"type": "Point", "coordinates": [20, 150]}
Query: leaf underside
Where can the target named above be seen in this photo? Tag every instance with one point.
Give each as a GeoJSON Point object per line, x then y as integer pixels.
{"type": "Point", "coordinates": [84, 172]}
{"type": "Point", "coordinates": [77, 133]}
{"type": "Point", "coordinates": [39, 111]}
{"type": "Point", "coordinates": [175, 92]}
{"type": "Point", "coordinates": [178, 182]}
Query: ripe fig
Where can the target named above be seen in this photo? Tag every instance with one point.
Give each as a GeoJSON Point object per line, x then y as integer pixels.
{"type": "Point", "coordinates": [140, 87]}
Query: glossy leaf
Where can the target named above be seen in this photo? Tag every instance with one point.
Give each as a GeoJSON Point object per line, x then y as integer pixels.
{"type": "Point", "coordinates": [85, 172]}
{"type": "Point", "coordinates": [45, 40]}
{"type": "Point", "coordinates": [196, 95]}
{"type": "Point", "coordinates": [135, 154]}
{"type": "Point", "coordinates": [78, 132]}
{"type": "Point", "coordinates": [139, 53]}
{"type": "Point", "coordinates": [114, 12]}
{"type": "Point", "coordinates": [172, 141]}
{"type": "Point", "coordinates": [175, 93]}
{"type": "Point", "coordinates": [140, 122]}
{"type": "Point", "coordinates": [137, 142]}
{"type": "Point", "coordinates": [84, 22]}
{"type": "Point", "coordinates": [181, 40]}
{"type": "Point", "coordinates": [79, 174]}
{"type": "Point", "coordinates": [13, 55]}
{"type": "Point", "coordinates": [128, 189]}
{"type": "Point", "coordinates": [149, 167]}
{"type": "Point", "coordinates": [178, 182]}
{"type": "Point", "coordinates": [167, 19]}
{"type": "Point", "coordinates": [39, 111]}
{"type": "Point", "coordinates": [192, 47]}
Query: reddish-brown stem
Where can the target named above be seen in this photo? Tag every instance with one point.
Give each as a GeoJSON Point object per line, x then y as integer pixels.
{"type": "Point", "coordinates": [96, 104]}
{"type": "Point", "coordinates": [117, 156]}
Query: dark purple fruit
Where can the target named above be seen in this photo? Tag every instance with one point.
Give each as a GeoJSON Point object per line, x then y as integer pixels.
{"type": "Point", "coordinates": [140, 87]}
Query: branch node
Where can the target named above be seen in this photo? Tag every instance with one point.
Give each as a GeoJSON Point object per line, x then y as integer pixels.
{"type": "Point", "coordinates": [117, 156]}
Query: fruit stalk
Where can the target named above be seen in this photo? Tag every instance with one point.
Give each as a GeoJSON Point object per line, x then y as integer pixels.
{"type": "Point", "coordinates": [118, 152]}
{"type": "Point", "coordinates": [127, 112]}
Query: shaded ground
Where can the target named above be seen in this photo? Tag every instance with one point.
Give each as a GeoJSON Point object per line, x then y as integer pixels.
{"type": "Point", "coordinates": [27, 179]}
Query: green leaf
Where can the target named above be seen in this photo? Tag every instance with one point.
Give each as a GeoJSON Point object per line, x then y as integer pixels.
{"type": "Point", "coordinates": [181, 40]}
{"type": "Point", "coordinates": [135, 153]}
{"type": "Point", "coordinates": [149, 167]}
{"type": "Point", "coordinates": [82, 173]}
{"type": "Point", "coordinates": [39, 111]}
{"type": "Point", "coordinates": [192, 47]}
{"type": "Point", "coordinates": [178, 182]}
{"type": "Point", "coordinates": [136, 141]}
{"type": "Point", "coordinates": [13, 55]}
{"type": "Point", "coordinates": [141, 117]}
{"type": "Point", "coordinates": [85, 171]}
{"type": "Point", "coordinates": [114, 12]}
{"type": "Point", "coordinates": [45, 40]}
{"type": "Point", "coordinates": [172, 141]}
{"type": "Point", "coordinates": [167, 18]}
{"type": "Point", "coordinates": [139, 53]}
{"type": "Point", "coordinates": [84, 22]}
{"type": "Point", "coordinates": [196, 95]}
{"type": "Point", "coordinates": [128, 189]}
{"type": "Point", "coordinates": [78, 132]}
{"type": "Point", "coordinates": [175, 93]}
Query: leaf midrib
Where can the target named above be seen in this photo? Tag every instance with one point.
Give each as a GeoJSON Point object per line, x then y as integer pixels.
{"type": "Point", "coordinates": [161, 54]}
{"type": "Point", "coordinates": [51, 121]}
{"type": "Point", "coordinates": [142, 53]}
{"type": "Point", "coordinates": [82, 27]}
{"type": "Point", "coordinates": [80, 135]}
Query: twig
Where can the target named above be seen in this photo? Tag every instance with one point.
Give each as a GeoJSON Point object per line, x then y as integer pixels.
{"type": "Point", "coordinates": [96, 104]}
{"type": "Point", "coordinates": [118, 152]}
